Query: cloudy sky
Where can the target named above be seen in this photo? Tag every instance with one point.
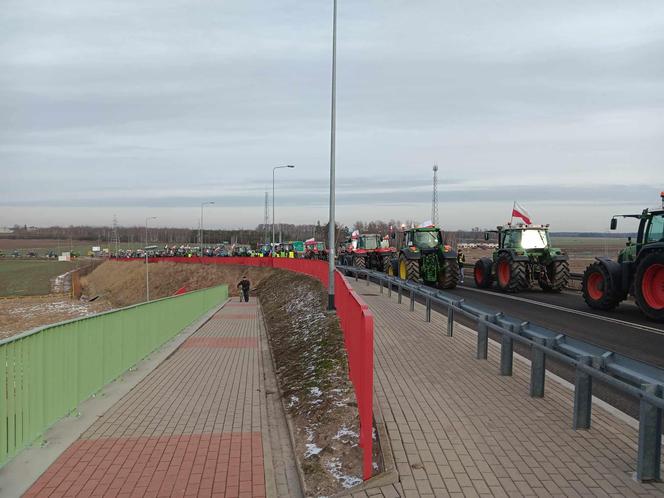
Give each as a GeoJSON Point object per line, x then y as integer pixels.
{"type": "Point", "coordinates": [148, 108]}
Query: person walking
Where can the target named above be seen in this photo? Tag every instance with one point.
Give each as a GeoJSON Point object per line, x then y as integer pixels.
{"type": "Point", "coordinates": [461, 259]}
{"type": "Point", "coordinates": [244, 285]}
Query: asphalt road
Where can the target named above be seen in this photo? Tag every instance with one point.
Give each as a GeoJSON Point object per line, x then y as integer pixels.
{"type": "Point", "coordinates": [624, 330]}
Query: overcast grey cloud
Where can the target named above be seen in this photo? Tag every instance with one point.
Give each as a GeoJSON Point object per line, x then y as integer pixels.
{"type": "Point", "coordinates": [148, 108]}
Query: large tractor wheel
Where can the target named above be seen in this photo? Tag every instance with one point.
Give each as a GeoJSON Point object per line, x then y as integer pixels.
{"type": "Point", "coordinates": [482, 273]}
{"type": "Point", "coordinates": [386, 264]}
{"type": "Point", "coordinates": [409, 269]}
{"type": "Point", "coordinates": [393, 267]}
{"type": "Point", "coordinates": [598, 291]}
{"type": "Point", "coordinates": [448, 278]}
{"type": "Point", "coordinates": [511, 275]}
{"type": "Point", "coordinates": [558, 276]}
{"type": "Point", "coordinates": [359, 262]}
{"type": "Point", "coordinates": [649, 286]}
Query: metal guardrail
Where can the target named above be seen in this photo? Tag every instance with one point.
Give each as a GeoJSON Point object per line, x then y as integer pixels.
{"type": "Point", "coordinates": [640, 380]}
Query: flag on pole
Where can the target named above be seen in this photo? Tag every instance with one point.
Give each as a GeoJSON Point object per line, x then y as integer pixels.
{"type": "Point", "coordinates": [518, 211]}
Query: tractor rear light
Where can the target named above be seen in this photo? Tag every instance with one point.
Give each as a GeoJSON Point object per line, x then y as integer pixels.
{"type": "Point", "coordinates": [661, 194]}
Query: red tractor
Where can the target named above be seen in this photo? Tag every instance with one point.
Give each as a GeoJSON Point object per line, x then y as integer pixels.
{"type": "Point", "coordinates": [315, 250]}
{"type": "Point", "coordinates": [368, 250]}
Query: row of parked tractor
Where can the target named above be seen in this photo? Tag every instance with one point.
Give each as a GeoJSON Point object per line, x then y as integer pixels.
{"type": "Point", "coordinates": [522, 259]}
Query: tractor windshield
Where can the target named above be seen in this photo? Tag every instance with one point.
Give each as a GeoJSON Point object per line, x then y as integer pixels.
{"type": "Point", "coordinates": [370, 242]}
{"type": "Point", "coordinates": [656, 229]}
{"type": "Point", "coordinates": [426, 240]}
{"type": "Point", "coordinates": [534, 239]}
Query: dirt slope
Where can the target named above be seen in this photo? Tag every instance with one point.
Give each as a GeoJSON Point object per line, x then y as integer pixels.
{"type": "Point", "coordinates": [123, 283]}
{"type": "Point", "coordinates": [312, 369]}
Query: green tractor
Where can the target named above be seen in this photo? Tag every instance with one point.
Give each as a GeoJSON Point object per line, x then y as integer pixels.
{"type": "Point", "coordinates": [524, 256]}
{"type": "Point", "coordinates": [423, 257]}
{"type": "Point", "coordinates": [639, 270]}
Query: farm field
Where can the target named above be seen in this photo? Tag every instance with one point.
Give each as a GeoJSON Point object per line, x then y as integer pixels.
{"type": "Point", "coordinates": [31, 277]}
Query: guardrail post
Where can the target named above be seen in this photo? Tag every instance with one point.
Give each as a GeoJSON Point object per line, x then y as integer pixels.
{"type": "Point", "coordinates": [389, 288]}
{"type": "Point", "coordinates": [427, 313]}
{"type": "Point", "coordinates": [412, 299]}
{"type": "Point", "coordinates": [380, 282]}
{"type": "Point", "coordinates": [648, 467]}
{"type": "Point", "coordinates": [366, 275]}
{"type": "Point", "coordinates": [506, 355]}
{"type": "Point", "coordinates": [399, 292]}
{"type": "Point", "coordinates": [450, 319]}
{"type": "Point", "coordinates": [482, 337]}
{"type": "Point", "coordinates": [583, 396]}
{"type": "Point", "coordinates": [537, 370]}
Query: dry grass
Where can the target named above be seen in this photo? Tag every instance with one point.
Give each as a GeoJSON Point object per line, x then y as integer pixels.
{"type": "Point", "coordinates": [123, 283]}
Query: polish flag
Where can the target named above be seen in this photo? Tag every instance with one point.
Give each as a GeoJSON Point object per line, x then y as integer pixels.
{"type": "Point", "coordinates": [518, 211]}
{"type": "Point", "coordinates": [310, 241]}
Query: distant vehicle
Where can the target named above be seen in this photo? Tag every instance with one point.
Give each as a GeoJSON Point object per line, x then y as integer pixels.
{"type": "Point", "coordinates": [16, 254]}
{"type": "Point", "coordinates": [524, 257]}
{"type": "Point", "coordinates": [367, 251]}
{"type": "Point", "coordinates": [315, 250]}
{"type": "Point", "coordinates": [639, 270]}
{"type": "Point", "coordinates": [423, 257]}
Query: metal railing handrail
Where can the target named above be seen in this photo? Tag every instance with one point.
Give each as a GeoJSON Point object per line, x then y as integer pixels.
{"type": "Point", "coordinates": [35, 330]}
{"type": "Point", "coordinates": [638, 379]}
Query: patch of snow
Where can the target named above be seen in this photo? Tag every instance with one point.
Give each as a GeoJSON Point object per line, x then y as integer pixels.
{"type": "Point", "coordinates": [293, 401]}
{"type": "Point", "coordinates": [333, 466]}
{"type": "Point", "coordinates": [345, 432]}
{"type": "Point", "coordinates": [312, 450]}
{"type": "Point", "coordinates": [316, 392]}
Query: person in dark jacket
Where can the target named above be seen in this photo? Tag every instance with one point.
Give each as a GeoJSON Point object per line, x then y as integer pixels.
{"type": "Point", "coordinates": [461, 259]}
{"type": "Point", "coordinates": [244, 285]}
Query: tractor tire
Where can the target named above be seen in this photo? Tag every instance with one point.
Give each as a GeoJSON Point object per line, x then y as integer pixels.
{"type": "Point", "coordinates": [649, 286]}
{"type": "Point", "coordinates": [386, 264]}
{"type": "Point", "coordinates": [598, 293]}
{"type": "Point", "coordinates": [409, 269]}
{"type": "Point", "coordinates": [511, 275]}
{"type": "Point", "coordinates": [482, 273]}
{"type": "Point", "coordinates": [360, 262]}
{"type": "Point", "coordinates": [448, 278]}
{"type": "Point", "coordinates": [558, 273]}
{"type": "Point", "coordinates": [393, 269]}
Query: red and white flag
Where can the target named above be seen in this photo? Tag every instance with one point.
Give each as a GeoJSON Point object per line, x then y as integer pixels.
{"type": "Point", "coordinates": [518, 211]}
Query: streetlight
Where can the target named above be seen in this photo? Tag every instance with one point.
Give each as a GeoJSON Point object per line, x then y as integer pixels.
{"type": "Point", "coordinates": [273, 171]}
{"type": "Point", "coordinates": [333, 124]}
{"type": "Point", "coordinates": [147, 274]}
{"type": "Point", "coordinates": [200, 238]}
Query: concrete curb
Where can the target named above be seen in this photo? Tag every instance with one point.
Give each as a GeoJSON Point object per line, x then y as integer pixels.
{"type": "Point", "coordinates": [20, 473]}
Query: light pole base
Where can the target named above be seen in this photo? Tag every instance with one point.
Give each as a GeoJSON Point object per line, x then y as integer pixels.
{"type": "Point", "coordinates": [330, 303]}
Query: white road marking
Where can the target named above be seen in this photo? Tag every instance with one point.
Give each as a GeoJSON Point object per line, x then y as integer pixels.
{"type": "Point", "coordinates": [568, 310]}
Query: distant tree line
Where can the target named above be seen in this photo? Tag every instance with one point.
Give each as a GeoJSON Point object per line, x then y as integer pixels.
{"type": "Point", "coordinates": [261, 234]}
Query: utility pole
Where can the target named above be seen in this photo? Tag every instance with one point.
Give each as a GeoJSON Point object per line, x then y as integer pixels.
{"type": "Point", "coordinates": [266, 217]}
{"type": "Point", "coordinates": [333, 125]}
{"type": "Point", "coordinates": [434, 200]}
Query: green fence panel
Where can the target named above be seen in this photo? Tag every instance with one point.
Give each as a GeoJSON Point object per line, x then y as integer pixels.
{"type": "Point", "coordinates": [47, 372]}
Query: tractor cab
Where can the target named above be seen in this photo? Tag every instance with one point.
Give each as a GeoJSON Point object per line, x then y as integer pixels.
{"type": "Point", "coordinates": [651, 231]}
{"type": "Point", "coordinates": [524, 238]}
{"type": "Point", "coordinates": [368, 241]}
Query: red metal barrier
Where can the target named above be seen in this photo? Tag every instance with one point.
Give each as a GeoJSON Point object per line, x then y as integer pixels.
{"type": "Point", "coordinates": [356, 322]}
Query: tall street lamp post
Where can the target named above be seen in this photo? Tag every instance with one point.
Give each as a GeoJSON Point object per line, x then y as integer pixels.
{"type": "Point", "coordinates": [147, 265]}
{"type": "Point", "coordinates": [200, 236]}
{"type": "Point", "coordinates": [333, 124]}
{"type": "Point", "coordinates": [273, 171]}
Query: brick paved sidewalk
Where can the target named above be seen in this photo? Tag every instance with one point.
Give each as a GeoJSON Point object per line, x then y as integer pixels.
{"type": "Point", "coordinates": [200, 424]}
{"type": "Point", "coordinates": [457, 428]}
